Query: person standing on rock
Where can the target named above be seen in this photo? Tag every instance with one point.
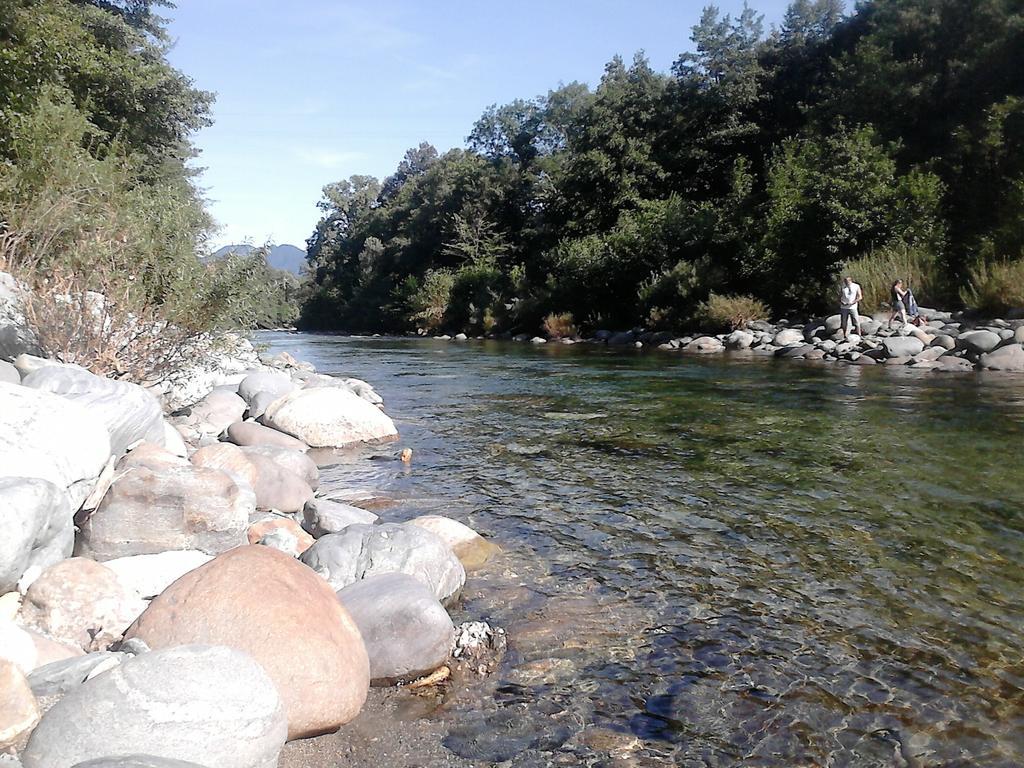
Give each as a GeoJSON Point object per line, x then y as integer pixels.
{"type": "Point", "coordinates": [897, 299]}
{"type": "Point", "coordinates": [850, 295]}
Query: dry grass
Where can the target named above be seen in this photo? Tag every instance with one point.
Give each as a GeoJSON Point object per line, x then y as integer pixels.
{"type": "Point", "coordinates": [560, 326]}
{"type": "Point", "coordinates": [730, 312]}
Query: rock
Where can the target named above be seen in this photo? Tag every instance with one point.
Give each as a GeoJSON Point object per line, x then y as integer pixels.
{"type": "Point", "coordinates": [173, 441]}
{"type": "Point", "coordinates": [147, 512]}
{"type": "Point", "coordinates": [739, 340]}
{"type": "Point", "coordinates": [272, 607]}
{"type": "Point", "coordinates": [295, 541]}
{"type": "Point", "coordinates": [18, 709]}
{"type": "Point", "coordinates": [472, 549]}
{"type": "Point", "coordinates": [46, 436]}
{"type": "Point", "coordinates": [794, 351]}
{"type": "Point", "coordinates": [951, 364]}
{"type": "Point", "coordinates": [788, 336]}
{"type": "Point", "coordinates": [36, 527]}
{"type": "Point", "coordinates": [623, 339]}
{"type": "Point", "coordinates": [251, 433]}
{"type": "Point", "coordinates": [902, 346]}
{"type": "Point", "coordinates": [1008, 358]}
{"type": "Point", "coordinates": [259, 403]}
{"type": "Point", "coordinates": [275, 487]}
{"type": "Point", "coordinates": [978, 342]}
{"type": "Point", "coordinates": [136, 761]}
{"type": "Point", "coordinates": [944, 341]}
{"type": "Point", "coordinates": [929, 354]}
{"type": "Point", "coordinates": [355, 386]}
{"type": "Point", "coordinates": [209, 705]}
{"type": "Point", "coordinates": [365, 550]}
{"type": "Point", "coordinates": [323, 516]}
{"type": "Point", "coordinates": [538, 340]}
{"type": "Point", "coordinates": [1018, 335]}
{"type": "Point", "coordinates": [15, 336]}
{"type": "Point", "coordinates": [149, 575]}
{"type": "Point", "coordinates": [130, 413]}
{"type": "Point", "coordinates": [49, 651]}
{"type": "Point", "coordinates": [406, 631]}
{"type": "Point", "coordinates": [326, 418]}
{"type": "Point", "coordinates": [17, 647]}
{"type": "Point", "coordinates": [705, 345]}
{"type": "Point", "coordinates": [272, 382]}
{"type": "Point", "coordinates": [217, 411]}
{"type": "Point", "coordinates": [296, 462]}
{"type": "Point", "coordinates": [80, 602]}
{"type": "Point", "coordinates": [8, 373]}
{"type": "Point", "coordinates": [151, 457]}
{"type": "Point", "coordinates": [59, 677]}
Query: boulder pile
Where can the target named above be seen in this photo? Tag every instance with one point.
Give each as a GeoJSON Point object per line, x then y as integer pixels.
{"type": "Point", "coordinates": [172, 590]}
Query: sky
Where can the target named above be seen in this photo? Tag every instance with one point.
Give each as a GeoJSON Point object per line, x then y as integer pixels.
{"type": "Point", "coordinates": [313, 91]}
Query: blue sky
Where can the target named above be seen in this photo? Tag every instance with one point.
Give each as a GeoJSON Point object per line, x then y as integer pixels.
{"type": "Point", "coordinates": [312, 91]}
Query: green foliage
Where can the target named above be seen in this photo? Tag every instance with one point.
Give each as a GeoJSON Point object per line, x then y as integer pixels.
{"type": "Point", "coordinates": [430, 302]}
{"type": "Point", "coordinates": [916, 267]}
{"type": "Point", "coordinates": [729, 313]}
{"type": "Point", "coordinates": [995, 287]}
{"type": "Point", "coordinates": [891, 140]}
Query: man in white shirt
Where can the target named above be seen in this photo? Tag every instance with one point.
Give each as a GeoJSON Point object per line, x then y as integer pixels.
{"type": "Point", "coordinates": [850, 295]}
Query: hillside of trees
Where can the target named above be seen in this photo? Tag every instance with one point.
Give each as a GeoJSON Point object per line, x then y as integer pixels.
{"type": "Point", "coordinates": [887, 141]}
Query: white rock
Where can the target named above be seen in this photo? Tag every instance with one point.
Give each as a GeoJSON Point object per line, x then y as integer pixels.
{"type": "Point", "coordinates": [328, 417]}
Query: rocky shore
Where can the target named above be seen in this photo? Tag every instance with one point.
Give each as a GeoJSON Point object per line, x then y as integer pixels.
{"type": "Point", "coordinates": [946, 342]}
{"type": "Point", "coordinates": [174, 589]}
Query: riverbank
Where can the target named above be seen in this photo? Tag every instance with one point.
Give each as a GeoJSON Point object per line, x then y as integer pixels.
{"type": "Point", "coordinates": [946, 342]}
{"type": "Point", "coordinates": [169, 549]}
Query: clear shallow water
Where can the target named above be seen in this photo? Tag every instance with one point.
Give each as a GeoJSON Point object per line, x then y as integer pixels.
{"type": "Point", "coordinates": [715, 562]}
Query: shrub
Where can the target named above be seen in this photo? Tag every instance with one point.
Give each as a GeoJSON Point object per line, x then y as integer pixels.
{"type": "Point", "coordinates": [877, 271]}
{"type": "Point", "coordinates": [995, 287]}
{"type": "Point", "coordinates": [560, 326]}
{"type": "Point", "coordinates": [729, 313]}
{"type": "Point", "coordinates": [432, 298]}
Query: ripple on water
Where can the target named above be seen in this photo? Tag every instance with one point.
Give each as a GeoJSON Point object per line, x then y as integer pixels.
{"type": "Point", "coordinates": [716, 563]}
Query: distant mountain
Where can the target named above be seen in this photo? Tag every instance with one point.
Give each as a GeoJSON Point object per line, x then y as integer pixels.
{"type": "Point", "coordinates": [284, 257]}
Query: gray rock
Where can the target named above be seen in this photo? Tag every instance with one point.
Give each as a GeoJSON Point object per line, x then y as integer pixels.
{"type": "Point", "coordinates": [8, 373]}
{"type": "Point", "coordinates": [296, 462]}
{"type": "Point", "coordinates": [209, 705]}
{"type": "Point", "coordinates": [365, 550]}
{"type": "Point", "coordinates": [46, 436]}
{"type": "Point", "coordinates": [15, 336]}
{"type": "Point", "coordinates": [623, 339]}
{"type": "Point", "coordinates": [147, 512]}
{"type": "Point", "coordinates": [929, 354]}
{"type": "Point", "coordinates": [274, 382]}
{"type": "Point", "coordinates": [218, 411]}
{"type": "Point", "coordinates": [329, 417]}
{"type": "Point", "coordinates": [788, 336]}
{"type": "Point", "coordinates": [952, 364]}
{"type": "Point", "coordinates": [321, 517]}
{"type": "Point", "coordinates": [36, 528]}
{"type": "Point", "coordinates": [259, 403]}
{"type": "Point", "coordinates": [705, 345]}
{"type": "Point", "coordinates": [902, 346]}
{"type": "Point", "coordinates": [250, 433]}
{"type": "Point", "coordinates": [794, 351]}
{"type": "Point", "coordinates": [944, 341]}
{"type": "Point", "coordinates": [136, 761]}
{"type": "Point", "coordinates": [1018, 334]}
{"type": "Point", "coordinates": [978, 342]}
{"type": "Point", "coordinates": [739, 340]}
{"type": "Point", "coordinates": [407, 632]}
{"type": "Point", "coordinates": [131, 414]}
{"type": "Point", "coordinates": [149, 575]}
{"type": "Point", "coordinates": [59, 677]}
{"type": "Point", "coordinates": [1008, 358]}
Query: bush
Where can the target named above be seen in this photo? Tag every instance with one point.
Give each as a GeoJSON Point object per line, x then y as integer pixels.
{"type": "Point", "coordinates": [995, 287]}
{"type": "Point", "coordinates": [729, 313]}
{"type": "Point", "coordinates": [560, 326]}
{"type": "Point", "coordinates": [876, 272]}
{"type": "Point", "coordinates": [432, 298]}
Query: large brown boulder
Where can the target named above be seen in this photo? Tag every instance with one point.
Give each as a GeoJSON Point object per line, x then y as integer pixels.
{"type": "Point", "coordinates": [276, 487]}
{"type": "Point", "coordinates": [272, 607]}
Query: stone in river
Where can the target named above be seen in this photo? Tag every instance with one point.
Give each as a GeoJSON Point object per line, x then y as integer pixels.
{"type": "Point", "coordinates": [146, 512]}
{"type": "Point", "coordinates": [329, 418]}
{"type": "Point", "coordinates": [407, 632]}
{"type": "Point", "coordinates": [80, 602]}
{"type": "Point", "coordinates": [1008, 358]}
{"type": "Point", "coordinates": [251, 433]}
{"type": "Point", "coordinates": [364, 550]}
{"type": "Point", "coordinates": [472, 549]}
{"type": "Point", "coordinates": [36, 528]}
{"type": "Point", "coordinates": [266, 604]}
{"type": "Point", "coordinates": [739, 340]}
{"type": "Point", "coordinates": [705, 345]}
{"type": "Point", "coordinates": [324, 516]}
{"type": "Point", "coordinates": [788, 336]}
{"type": "Point", "coordinates": [209, 705]}
{"type": "Point", "coordinates": [273, 382]}
{"type": "Point", "coordinates": [978, 342]}
{"type": "Point", "coordinates": [275, 486]}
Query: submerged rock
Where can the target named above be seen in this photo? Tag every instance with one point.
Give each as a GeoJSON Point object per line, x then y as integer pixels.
{"type": "Point", "coordinates": [472, 549]}
{"type": "Point", "coordinates": [213, 706]}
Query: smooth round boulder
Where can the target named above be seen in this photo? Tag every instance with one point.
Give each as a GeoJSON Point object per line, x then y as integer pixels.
{"type": "Point", "coordinates": [978, 342]}
{"type": "Point", "coordinates": [329, 417]}
{"type": "Point", "coordinates": [321, 517]}
{"type": "Point", "coordinates": [80, 602]}
{"type": "Point", "coordinates": [213, 706]}
{"type": "Point", "coordinates": [705, 345]}
{"type": "Point", "coordinates": [18, 709]}
{"type": "Point", "coordinates": [36, 527]}
{"type": "Point", "coordinates": [739, 339]}
{"type": "Point", "coordinates": [366, 550]}
{"type": "Point", "coordinates": [407, 632]}
{"type": "Point", "coordinates": [788, 336]}
{"type": "Point", "coordinates": [472, 549]}
{"type": "Point", "coordinates": [273, 382]}
{"type": "Point", "coordinates": [8, 373]}
{"type": "Point", "coordinates": [902, 346]}
{"type": "Point", "coordinates": [251, 433]}
{"type": "Point", "coordinates": [152, 457]}
{"type": "Point", "coordinates": [1007, 358]}
{"type": "Point", "coordinates": [275, 486]}
{"type": "Point", "coordinates": [296, 462]}
{"type": "Point", "coordinates": [262, 602]}
{"type": "Point", "coordinates": [217, 411]}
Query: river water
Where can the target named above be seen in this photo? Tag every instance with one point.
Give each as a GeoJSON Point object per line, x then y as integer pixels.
{"type": "Point", "coordinates": [713, 561]}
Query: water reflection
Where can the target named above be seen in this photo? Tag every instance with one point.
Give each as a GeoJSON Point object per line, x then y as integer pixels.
{"type": "Point", "coordinates": [716, 563]}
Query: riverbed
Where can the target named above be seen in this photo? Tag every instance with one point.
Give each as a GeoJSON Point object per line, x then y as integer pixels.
{"type": "Point", "coordinates": [707, 562]}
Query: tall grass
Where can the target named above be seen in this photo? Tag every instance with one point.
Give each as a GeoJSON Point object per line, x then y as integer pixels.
{"type": "Point", "coordinates": [730, 313]}
{"type": "Point", "coordinates": [995, 287]}
{"type": "Point", "coordinates": [918, 269]}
